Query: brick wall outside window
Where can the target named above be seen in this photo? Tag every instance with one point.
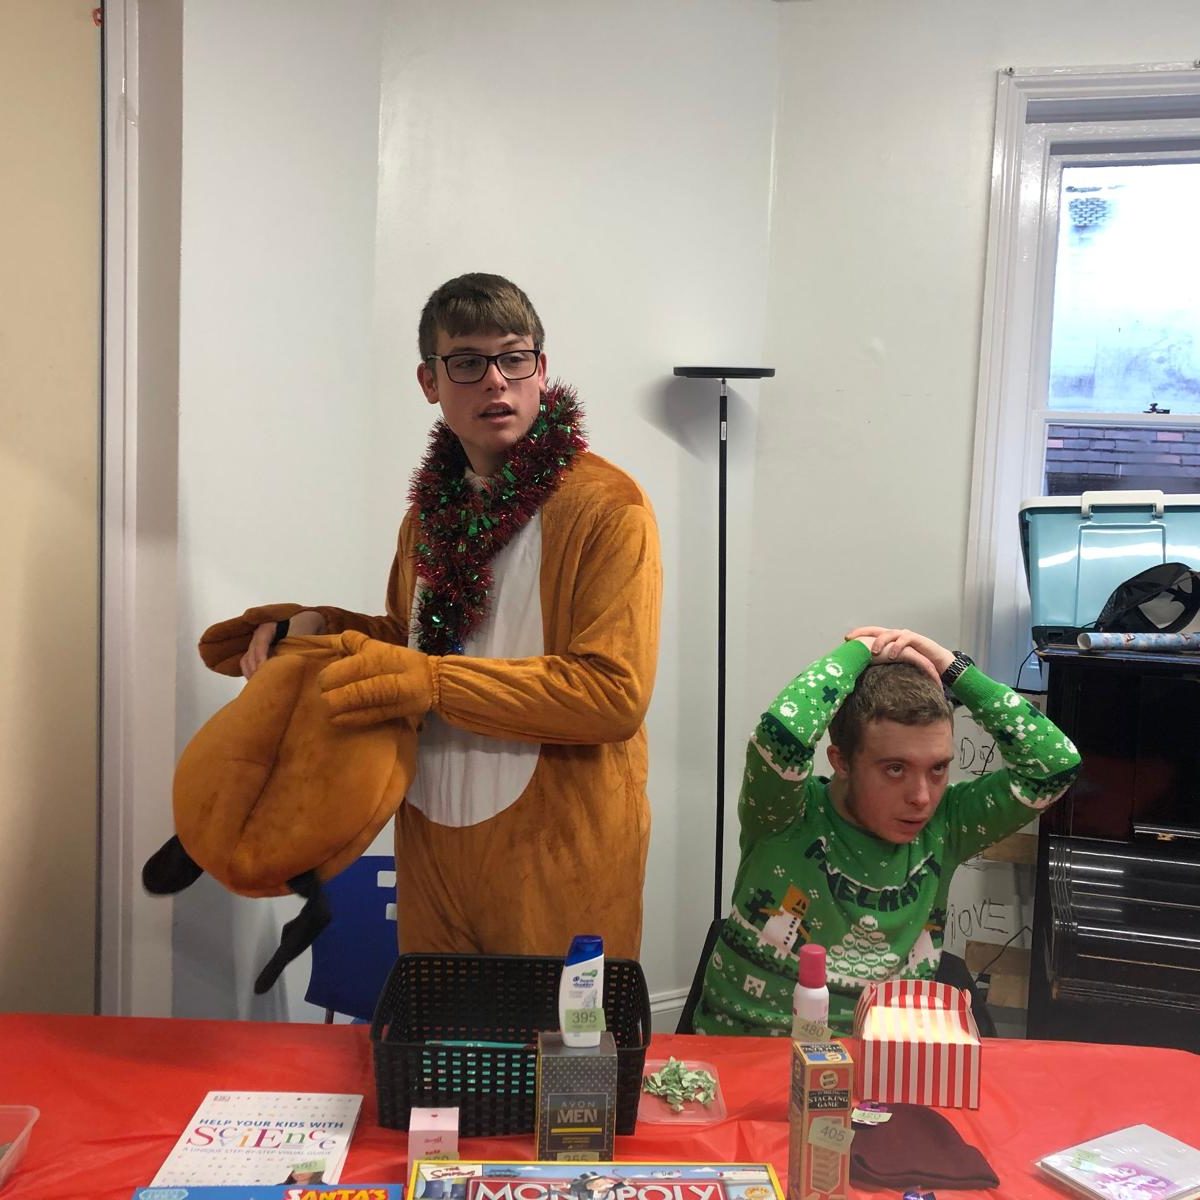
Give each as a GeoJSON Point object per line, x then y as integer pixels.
{"type": "Point", "coordinates": [1081, 458]}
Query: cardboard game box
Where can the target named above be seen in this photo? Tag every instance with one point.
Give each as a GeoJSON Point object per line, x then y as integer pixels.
{"type": "Point", "coordinates": [819, 1132]}
{"type": "Point", "coordinates": [592, 1181]}
{"type": "Point", "coordinates": [920, 1044]}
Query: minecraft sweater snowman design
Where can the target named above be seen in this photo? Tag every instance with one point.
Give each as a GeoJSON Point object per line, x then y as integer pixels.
{"type": "Point", "coordinates": [806, 874]}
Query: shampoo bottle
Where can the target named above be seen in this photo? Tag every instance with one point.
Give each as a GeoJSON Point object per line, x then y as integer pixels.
{"type": "Point", "coordinates": [581, 987]}
{"type": "Point", "coordinates": [810, 1000]}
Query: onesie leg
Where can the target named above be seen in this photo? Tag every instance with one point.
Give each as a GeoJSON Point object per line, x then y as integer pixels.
{"type": "Point", "coordinates": [518, 884]}
{"type": "Point", "coordinates": [429, 919]}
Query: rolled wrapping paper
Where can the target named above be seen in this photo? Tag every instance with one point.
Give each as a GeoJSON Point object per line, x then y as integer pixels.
{"type": "Point", "coordinates": [1162, 642]}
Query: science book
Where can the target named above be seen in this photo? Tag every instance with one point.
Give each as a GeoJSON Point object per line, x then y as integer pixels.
{"type": "Point", "coordinates": [263, 1138]}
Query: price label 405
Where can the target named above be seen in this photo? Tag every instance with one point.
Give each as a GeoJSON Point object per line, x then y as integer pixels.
{"type": "Point", "coordinates": [583, 1020]}
{"type": "Point", "coordinates": [832, 1134]}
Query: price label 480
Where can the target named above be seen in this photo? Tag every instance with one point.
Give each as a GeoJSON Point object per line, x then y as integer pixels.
{"type": "Point", "coordinates": [583, 1020]}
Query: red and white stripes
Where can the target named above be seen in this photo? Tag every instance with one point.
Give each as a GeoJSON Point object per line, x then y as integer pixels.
{"type": "Point", "coordinates": [920, 1044]}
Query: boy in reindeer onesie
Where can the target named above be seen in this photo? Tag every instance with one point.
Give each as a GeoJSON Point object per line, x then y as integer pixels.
{"type": "Point", "coordinates": [522, 626]}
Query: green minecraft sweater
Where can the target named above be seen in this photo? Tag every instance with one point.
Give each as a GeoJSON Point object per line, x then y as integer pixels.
{"type": "Point", "coordinates": [806, 874]}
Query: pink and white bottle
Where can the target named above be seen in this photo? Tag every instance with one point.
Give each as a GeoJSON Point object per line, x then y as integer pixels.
{"type": "Point", "coordinates": [810, 999]}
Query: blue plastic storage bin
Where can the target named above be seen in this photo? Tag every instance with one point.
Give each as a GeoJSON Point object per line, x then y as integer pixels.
{"type": "Point", "coordinates": [1079, 548]}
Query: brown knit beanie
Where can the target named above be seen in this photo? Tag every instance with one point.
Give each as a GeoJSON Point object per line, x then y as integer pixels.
{"type": "Point", "coordinates": [918, 1147]}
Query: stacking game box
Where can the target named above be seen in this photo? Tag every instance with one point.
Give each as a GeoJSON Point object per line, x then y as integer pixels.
{"type": "Point", "coordinates": [819, 1132]}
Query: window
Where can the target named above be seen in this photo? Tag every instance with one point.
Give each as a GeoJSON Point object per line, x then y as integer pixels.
{"type": "Point", "coordinates": [1124, 322]}
{"type": "Point", "coordinates": [1090, 364]}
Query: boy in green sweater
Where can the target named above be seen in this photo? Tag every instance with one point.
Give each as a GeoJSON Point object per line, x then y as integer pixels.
{"type": "Point", "coordinates": [862, 863]}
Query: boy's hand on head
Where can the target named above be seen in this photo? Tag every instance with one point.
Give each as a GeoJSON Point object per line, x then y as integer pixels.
{"type": "Point", "coordinates": [907, 655]}
{"type": "Point", "coordinates": [903, 645]}
{"type": "Point", "coordinates": [377, 681]}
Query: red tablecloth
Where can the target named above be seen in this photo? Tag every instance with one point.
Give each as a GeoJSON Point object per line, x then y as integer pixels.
{"type": "Point", "coordinates": [115, 1092]}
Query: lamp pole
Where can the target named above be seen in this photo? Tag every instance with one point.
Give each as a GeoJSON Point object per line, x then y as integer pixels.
{"type": "Point", "coordinates": [723, 374]}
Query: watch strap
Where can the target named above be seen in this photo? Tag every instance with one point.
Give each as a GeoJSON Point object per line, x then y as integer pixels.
{"type": "Point", "coordinates": [958, 664]}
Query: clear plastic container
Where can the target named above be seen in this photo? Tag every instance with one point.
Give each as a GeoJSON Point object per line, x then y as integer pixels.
{"type": "Point", "coordinates": [656, 1111]}
{"type": "Point", "coordinates": [16, 1124]}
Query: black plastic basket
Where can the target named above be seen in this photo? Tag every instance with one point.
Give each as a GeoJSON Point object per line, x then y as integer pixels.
{"type": "Point", "coordinates": [507, 998]}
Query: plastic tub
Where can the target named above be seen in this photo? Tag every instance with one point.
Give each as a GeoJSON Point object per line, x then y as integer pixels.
{"type": "Point", "coordinates": [16, 1124]}
{"type": "Point", "coordinates": [1078, 549]}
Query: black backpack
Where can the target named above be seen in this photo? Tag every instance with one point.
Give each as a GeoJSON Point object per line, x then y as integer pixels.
{"type": "Point", "coordinates": [1161, 599]}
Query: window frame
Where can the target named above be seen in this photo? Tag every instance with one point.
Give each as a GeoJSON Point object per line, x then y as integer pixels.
{"type": "Point", "coordinates": [1044, 117]}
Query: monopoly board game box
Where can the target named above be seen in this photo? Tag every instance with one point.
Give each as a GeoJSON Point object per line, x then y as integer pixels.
{"type": "Point", "coordinates": [592, 1181]}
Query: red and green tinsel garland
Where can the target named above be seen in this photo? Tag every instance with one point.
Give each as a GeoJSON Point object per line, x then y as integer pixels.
{"type": "Point", "coordinates": [463, 528]}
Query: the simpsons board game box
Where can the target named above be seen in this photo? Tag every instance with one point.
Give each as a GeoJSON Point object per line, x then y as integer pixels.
{"type": "Point", "coordinates": [592, 1181]}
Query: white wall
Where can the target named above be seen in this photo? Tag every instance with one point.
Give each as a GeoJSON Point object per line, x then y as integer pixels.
{"type": "Point", "coordinates": [280, 166]}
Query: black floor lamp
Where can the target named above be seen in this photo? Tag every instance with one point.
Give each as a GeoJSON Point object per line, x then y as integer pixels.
{"type": "Point", "coordinates": [723, 374]}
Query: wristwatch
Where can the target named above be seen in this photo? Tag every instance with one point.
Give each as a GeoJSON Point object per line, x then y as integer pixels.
{"type": "Point", "coordinates": [958, 664]}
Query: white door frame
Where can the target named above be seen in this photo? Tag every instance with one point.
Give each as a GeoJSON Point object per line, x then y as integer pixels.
{"type": "Point", "coordinates": [139, 437]}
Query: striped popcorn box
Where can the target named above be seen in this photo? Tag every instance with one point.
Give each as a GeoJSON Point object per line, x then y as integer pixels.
{"type": "Point", "coordinates": [920, 1044]}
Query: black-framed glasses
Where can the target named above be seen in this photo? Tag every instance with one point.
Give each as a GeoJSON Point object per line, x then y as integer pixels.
{"type": "Point", "coordinates": [469, 367]}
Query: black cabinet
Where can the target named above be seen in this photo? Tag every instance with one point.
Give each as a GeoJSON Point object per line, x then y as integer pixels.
{"type": "Point", "coordinates": [1116, 936]}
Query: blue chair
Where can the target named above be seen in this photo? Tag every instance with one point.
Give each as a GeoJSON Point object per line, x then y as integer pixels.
{"type": "Point", "coordinates": [353, 954]}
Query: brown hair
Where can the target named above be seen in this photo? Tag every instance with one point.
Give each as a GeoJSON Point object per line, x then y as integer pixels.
{"type": "Point", "coordinates": [476, 303]}
{"type": "Point", "coordinates": [896, 692]}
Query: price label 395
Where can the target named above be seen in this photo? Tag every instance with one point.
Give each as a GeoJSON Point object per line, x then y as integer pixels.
{"type": "Point", "coordinates": [583, 1020]}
